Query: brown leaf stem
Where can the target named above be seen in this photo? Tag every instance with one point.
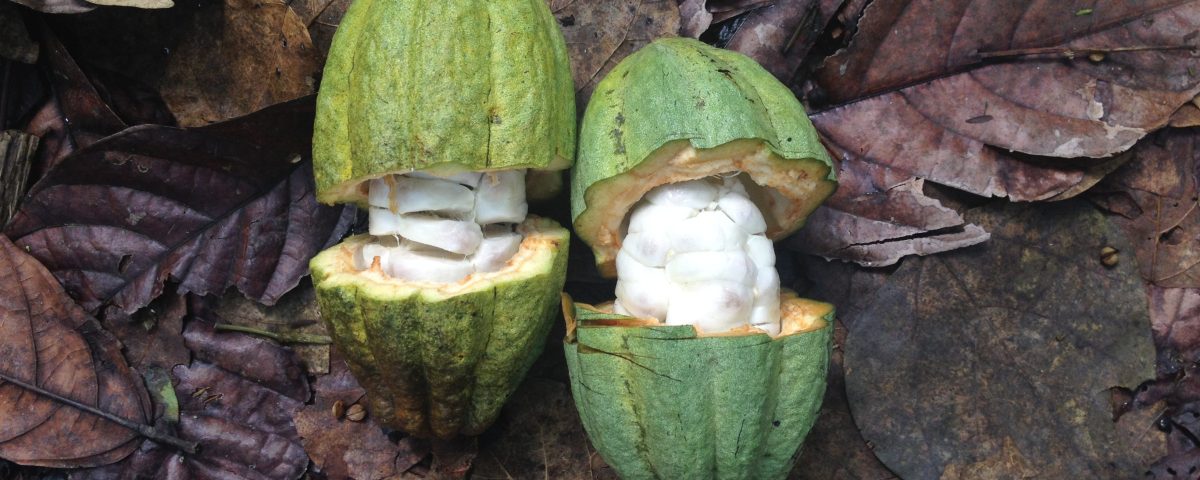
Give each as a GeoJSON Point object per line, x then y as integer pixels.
{"type": "Point", "coordinates": [289, 338]}
{"type": "Point", "coordinates": [1072, 53]}
{"type": "Point", "coordinates": [142, 429]}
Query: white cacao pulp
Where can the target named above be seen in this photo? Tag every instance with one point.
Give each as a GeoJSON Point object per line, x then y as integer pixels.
{"type": "Point", "coordinates": [696, 253]}
{"type": "Point", "coordinates": [442, 229]}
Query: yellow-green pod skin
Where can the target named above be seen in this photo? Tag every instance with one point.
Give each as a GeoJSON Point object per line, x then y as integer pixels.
{"type": "Point", "coordinates": [442, 86]}
{"type": "Point", "coordinates": [439, 360]}
{"type": "Point", "coordinates": [661, 402]}
{"type": "Point", "coordinates": [679, 109]}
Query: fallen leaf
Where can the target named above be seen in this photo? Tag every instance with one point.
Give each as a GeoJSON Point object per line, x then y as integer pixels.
{"type": "Point", "coordinates": [83, 113]}
{"type": "Point", "coordinates": [152, 336]}
{"type": "Point", "coordinates": [915, 98]}
{"type": "Point", "coordinates": [998, 360]}
{"type": "Point", "coordinates": [347, 449]}
{"type": "Point", "coordinates": [1175, 318]}
{"type": "Point", "coordinates": [601, 34]}
{"type": "Point", "coordinates": [293, 318]}
{"type": "Point", "coordinates": [779, 36]}
{"type": "Point", "coordinates": [322, 18]}
{"type": "Point", "coordinates": [15, 43]}
{"type": "Point", "coordinates": [230, 204]}
{"type": "Point", "coordinates": [274, 366]}
{"type": "Point", "coordinates": [150, 4]}
{"type": "Point", "coordinates": [52, 344]}
{"type": "Point", "coordinates": [239, 57]}
{"type": "Point", "coordinates": [16, 155]}
{"type": "Point", "coordinates": [694, 18]}
{"type": "Point", "coordinates": [57, 6]}
{"type": "Point", "coordinates": [1156, 198]}
{"type": "Point", "coordinates": [243, 426]}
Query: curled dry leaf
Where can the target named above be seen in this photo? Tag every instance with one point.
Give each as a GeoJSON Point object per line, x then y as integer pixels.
{"type": "Point", "coordinates": [601, 34]}
{"type": "Point", "coordinates": [1156, 199]}
{"type": "Point", "coordinates": [51, 343]}
{"type": "Point", "coordinates": [1000, 358]}
{"type": "Point", "coordinates": [237, 58]}
{"type": "Point", "coordinates": [945, 90]}
{"type": "Point", "coordinates": [231, 204]}
{"type": "Point", "coordinates": [350, 449]}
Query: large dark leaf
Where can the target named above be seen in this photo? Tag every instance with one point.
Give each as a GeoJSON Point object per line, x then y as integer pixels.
{"type": "Point", "coordinates": [226, 205]}
{"type": "Point", "coordinates": [997, 361]}
{"type": "Point", "coordinates": [947, 90]}
{"type": "Point", "coordinates": [49, 342]}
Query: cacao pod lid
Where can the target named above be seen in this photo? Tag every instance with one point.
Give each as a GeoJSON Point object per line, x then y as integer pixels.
{"type": "Point", "coordinates": [438, 359]}
{"type": "Point", "coordinates": [677, 110]}
{"type": "Point", "coordinates": [443, 87]}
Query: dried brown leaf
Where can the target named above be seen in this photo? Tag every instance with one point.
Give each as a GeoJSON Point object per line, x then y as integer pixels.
{"type": "Point", "coordinates": [917, 99]}
{"type": "Point", "coordinates": [152, 336]}
{"type": "Point", "coordinates": [240, 57]}
{"type": "Point", "coordinates": [270, 365]}
{"type": "Point", "coordinates": [15, 43]}
{"type": "Point", "coordinates": [601, 34]}
{"type": "Point", "coordinates": [294, 315]}
{"type": "Point", "coordinates": [1156, 195]}
{"type": "Point", "coordinates": [51, 343]}
{"type": "Point", "coordinates": [16, 156]}
{"type": "Point", "coordinates": [230, 204]}
{"type": "Point", "coordinates": [1000, 358]}
{"type": "Point", "coordinates": [780, 36]}
{"type": "Point", "coordinates": [694, 18]}
{"type": "Point", "coordinates": [350, 449]}
{"type": "Point", "coordinates": [1175, 318]}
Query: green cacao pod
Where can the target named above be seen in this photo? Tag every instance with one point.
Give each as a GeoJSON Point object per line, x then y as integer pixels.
{"type": "Point", "coordinates": [663, 402]}
{"type": "Point", "coordinates": [442, 88]}
{"type": "Point", "coordinates": [439, 360]}
{"type": "Point", "coordinates": [679, 110]}
{"type": "Point", "coordinates": [672, 401]}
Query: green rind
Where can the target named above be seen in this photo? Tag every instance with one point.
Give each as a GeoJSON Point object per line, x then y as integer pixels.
{"type": "Point", "coordinates": [658, 402]}
{"type": "Point", "coordinates": [444, 87]}
{"type": "Point", "coordinates": [681, 89]}
{"type": "Point", "coordinates": [437, 366]}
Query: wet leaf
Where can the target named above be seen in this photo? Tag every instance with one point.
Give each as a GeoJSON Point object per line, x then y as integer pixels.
{"type": "Point", "coordinates": [16, 156]}
{"type": "Point", "coordinates": [294, 319]}
{"type": "Point", "coordinates": [239, 57]}
{"type": "Point", "coordinates": [1000, 358]}
{"type": "Point", "coordinates": [1156, 198]}
{"type": "Point", "coordinates": [51, 343]}
{"type": "Point", "coordinates": [347, 449]}
{"type": "Point", "coordinates": [15, 43]}
{"type": "Point", "coordinates": [779, 36]}
{"type": "Point", "coordinates": [911, 93]}
{"type": "Point", "coordinates": [152, 336]}
{"type": "Point", "coordinates": [601, 34]}
{"type": "Point", "coordinates": [269, 364]}
{"type": "Point", "coordinates": [230, 204]}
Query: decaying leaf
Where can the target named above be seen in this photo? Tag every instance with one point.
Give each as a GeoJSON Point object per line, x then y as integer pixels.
{"type": "Point", "coordinates": [944, 91]}
{"type": "Point", "coordinates": [230, 204]}
{"type": "Point", "coordinates": [270, 365]}
{"type": "Point", "coordinates": [294, 319]}
{"type": "Point", "coordinates": [1175, 316]}
{"type": "Point", "coordinates": [239, 57]}
{"type": "Point", "coordinates": [997, 361]}
{"type": "Point", "coordinates": [1156, 198]}
{"type": "Point", "coordinates": [15, 43]}
{"type": "Point", "coordinates": [342, 448]}
{"type": "Point", "coordinates": [152, 336]}
{"type": "Point", "coordinates": [16, 155]}
{"type": "Point", "coordinates": [779, 36]}
{"type": "Point", "coordinates": [600, 34]}
{"type": "Point", "coordinates": [50, 343]}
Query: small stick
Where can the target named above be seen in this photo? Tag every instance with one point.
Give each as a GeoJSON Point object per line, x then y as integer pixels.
{"type": "Point", "coordinates": [1071, 53]}
{"type": "Point", "coordinates": [142, 429]}
{"type": "Point", "coordinates": [284, 338]}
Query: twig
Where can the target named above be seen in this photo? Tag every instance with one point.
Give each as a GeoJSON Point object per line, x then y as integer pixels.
{"type": "Point", "coordinates": [284, 338]}
{"type": "Point", "coordinates": [1071, 53]}
{"type": "Point", "coordinates": [142, 429]}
